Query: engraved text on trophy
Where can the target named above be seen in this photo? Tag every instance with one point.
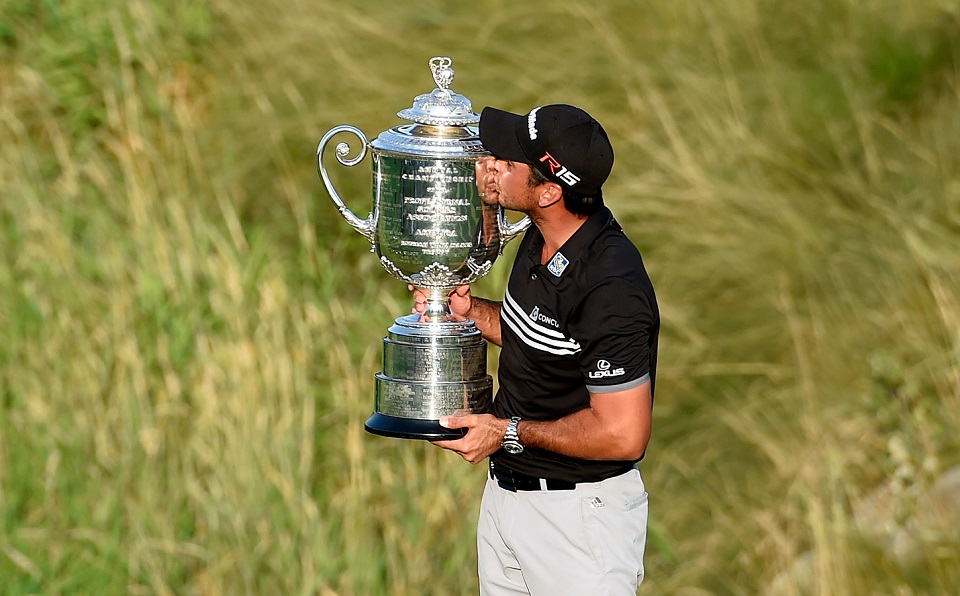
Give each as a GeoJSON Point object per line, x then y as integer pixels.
{"type": "Point", "coordinates": [437, 216]}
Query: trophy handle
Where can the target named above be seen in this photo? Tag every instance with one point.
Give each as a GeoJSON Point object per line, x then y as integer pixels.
{"type": "Point", "coordinates": [367, 226]}
{"type": "Point", "coordinates": [509, 231]}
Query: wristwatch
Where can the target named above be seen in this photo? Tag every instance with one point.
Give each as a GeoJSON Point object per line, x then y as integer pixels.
{"type": "Point", "coordinates": [511, 439]}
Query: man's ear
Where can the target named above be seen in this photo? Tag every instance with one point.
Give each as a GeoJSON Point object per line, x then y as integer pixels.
{"type": "Point", "coordinates": [550, 193]}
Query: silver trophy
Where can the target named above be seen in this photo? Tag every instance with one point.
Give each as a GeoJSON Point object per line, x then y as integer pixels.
{"type": "Point", "coordinates": [430, 228]}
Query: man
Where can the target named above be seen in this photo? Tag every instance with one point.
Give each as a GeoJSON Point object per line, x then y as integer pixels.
{"type": "Point", "coordinates": [564, 510]}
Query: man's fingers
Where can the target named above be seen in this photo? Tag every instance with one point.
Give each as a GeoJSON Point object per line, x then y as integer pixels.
{"type": "Point", "coordinates": [453, 422]}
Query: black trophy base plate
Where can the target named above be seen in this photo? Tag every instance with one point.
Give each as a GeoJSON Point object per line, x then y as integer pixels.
{"type": "Point", "coordinates": [411, 428]}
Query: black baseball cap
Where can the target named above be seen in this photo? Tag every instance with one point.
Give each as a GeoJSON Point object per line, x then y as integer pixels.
{"type": "Point", "coordinates": [562, 142]}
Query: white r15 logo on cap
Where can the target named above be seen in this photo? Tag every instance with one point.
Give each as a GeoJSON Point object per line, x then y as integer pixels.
{"type": "Point", "coordinates": [560, 171]}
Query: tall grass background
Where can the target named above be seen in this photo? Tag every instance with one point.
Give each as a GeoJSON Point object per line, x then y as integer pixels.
{"type": "Point", "coordinates": [188, 330]}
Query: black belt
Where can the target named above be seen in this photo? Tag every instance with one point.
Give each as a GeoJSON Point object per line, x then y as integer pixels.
{"type": "Point", "coordinates": [513, 481]}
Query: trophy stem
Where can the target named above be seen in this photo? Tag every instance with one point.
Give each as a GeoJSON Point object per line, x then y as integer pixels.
{"type": "Point", "coordinates": [438, 306]}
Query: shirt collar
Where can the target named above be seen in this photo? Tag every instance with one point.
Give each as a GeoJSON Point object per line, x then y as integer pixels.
{"type": "Point", "coordinates": [569, 254]}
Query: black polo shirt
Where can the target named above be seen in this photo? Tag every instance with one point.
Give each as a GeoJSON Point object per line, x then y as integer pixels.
{"type": "Point", "coordinates": [585, 322]}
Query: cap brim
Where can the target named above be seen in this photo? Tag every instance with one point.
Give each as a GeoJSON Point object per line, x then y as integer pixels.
{"type": "Point", "coordinates": [498, 134]}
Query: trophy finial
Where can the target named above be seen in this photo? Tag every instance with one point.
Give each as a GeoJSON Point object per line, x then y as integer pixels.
{"type": "Point", "coordinates": [442, 106]}
{"type": "Point", "coordinates": [442, 73]}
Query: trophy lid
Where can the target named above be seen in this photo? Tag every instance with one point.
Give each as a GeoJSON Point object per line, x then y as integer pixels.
{"type": "Point", "coordinates": [441, 107]}
{"type": "Point", "coordinates": [441, 120]}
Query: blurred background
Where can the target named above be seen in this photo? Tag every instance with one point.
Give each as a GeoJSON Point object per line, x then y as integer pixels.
{"type": "Point", "coordinates": [189, 331]}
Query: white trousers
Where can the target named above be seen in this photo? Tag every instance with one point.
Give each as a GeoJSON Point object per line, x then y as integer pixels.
{"type": "Point", "coordinates": [585, 541]}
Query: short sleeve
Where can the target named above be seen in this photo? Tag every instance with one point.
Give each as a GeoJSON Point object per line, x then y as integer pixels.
{"type": "Point", "coordinates": [613, 324]}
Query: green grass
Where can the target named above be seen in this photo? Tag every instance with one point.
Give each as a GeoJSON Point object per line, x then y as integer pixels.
{"type": "Point", "coordinates": [188, 330]}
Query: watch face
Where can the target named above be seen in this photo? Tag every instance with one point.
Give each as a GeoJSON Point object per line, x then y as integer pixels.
{"type": "Point", "coordinates": [513, 448]}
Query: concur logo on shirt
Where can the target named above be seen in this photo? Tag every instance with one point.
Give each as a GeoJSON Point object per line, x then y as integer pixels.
{"type": "Point", "coordinates": [604, 370]}
{"type": "Point", "coordinates": [536, 315]}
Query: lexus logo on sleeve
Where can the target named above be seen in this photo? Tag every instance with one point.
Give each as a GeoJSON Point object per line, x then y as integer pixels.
{"type": "Point", "coordinates": [605, 369]}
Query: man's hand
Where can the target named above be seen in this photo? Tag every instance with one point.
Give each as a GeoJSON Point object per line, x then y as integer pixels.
{"type": "Point", "coordinates": [460, 301]}
{"type": "Point", "coordinates": [484, 435]}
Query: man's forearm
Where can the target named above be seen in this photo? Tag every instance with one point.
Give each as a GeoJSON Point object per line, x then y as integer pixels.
{"type": "Point", "coordinates": [616, 426]}
{"type": "Point", "coordinates": [486, 314]}
{"type": "Point", "coordinates": [582, 435]}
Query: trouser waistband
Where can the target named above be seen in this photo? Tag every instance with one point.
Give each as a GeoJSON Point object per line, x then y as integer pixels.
{"type": "Point", "coordinates": [513, 481]}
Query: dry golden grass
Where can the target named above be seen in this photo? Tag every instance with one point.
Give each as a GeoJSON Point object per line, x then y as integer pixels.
{"type": "Point", "coordinates": [188, 332]}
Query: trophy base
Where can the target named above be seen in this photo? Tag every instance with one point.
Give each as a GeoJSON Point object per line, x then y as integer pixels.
{"type": "Point", "coordinates": [430, 370]}
{"type": "Point", "coordinates": [409, 428]}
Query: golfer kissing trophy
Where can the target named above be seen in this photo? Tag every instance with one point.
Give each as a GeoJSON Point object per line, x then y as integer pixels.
{"type": "Point", "coordinates": [431, 228]}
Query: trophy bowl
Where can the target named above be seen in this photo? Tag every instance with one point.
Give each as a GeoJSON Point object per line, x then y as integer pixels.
{"type": "Point", "coordinates": [431, 228]}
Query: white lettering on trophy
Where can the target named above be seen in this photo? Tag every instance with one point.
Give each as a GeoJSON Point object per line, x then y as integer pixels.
{"type": "Point", "coordinates": [439, 177]}
{"type": "Point", "coordinates": [429, 201]}
{"type": "Point", "coordinates": [436, 210]}
{"type": "Point", "coordinates": [435, 233]}
{"type": "Point", "coordinates": [437, 173]}
{"type": "Point", "coordinates": [434, 244]}
{"type": "Point", "coordinates": [436, 218]}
